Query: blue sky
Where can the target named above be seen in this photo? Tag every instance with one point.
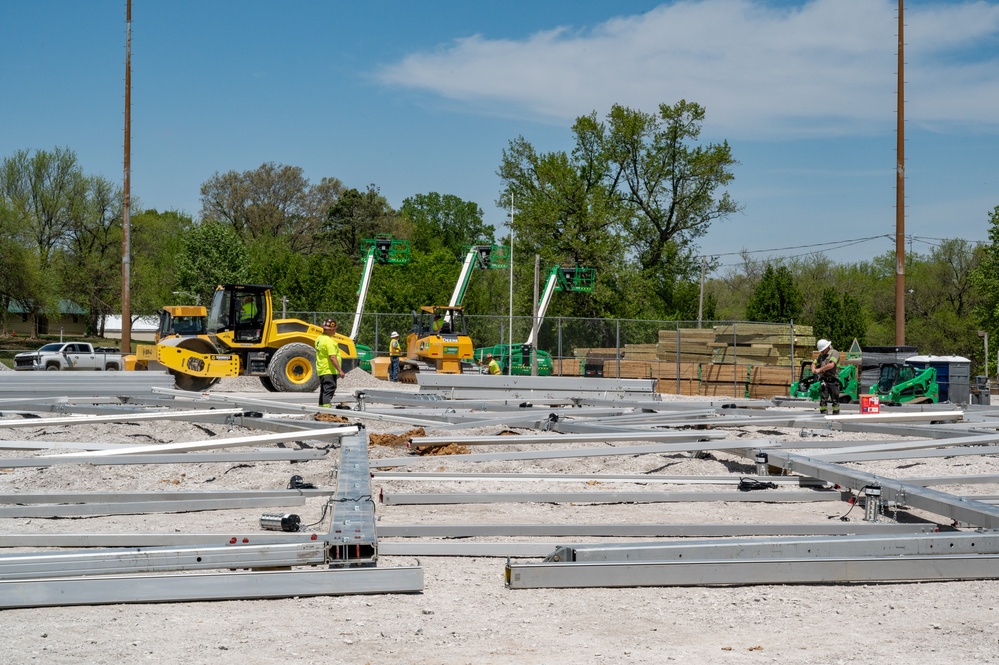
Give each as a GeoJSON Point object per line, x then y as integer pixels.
{"type": "Point", "coordinates": [417, 97]}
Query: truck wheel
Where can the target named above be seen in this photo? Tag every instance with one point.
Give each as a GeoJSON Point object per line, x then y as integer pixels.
{"type": "Point", "coordinates": [293, 369]}
{"type": "Point", "coordinates": [266, 382]}
{"type": "Point", "coordinates": [52, 368]}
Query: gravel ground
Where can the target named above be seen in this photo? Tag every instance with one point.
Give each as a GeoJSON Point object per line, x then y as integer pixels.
{"type": "Point", "coordinates": [465, 614]}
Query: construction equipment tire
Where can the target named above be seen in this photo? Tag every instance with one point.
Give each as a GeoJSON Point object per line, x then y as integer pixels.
{"type": "Point", "coordinates": [266, 382]}
{"type": "Point", "coordinates": [293, 369]}
{"type": "Point", "coordinates": [195, 384]}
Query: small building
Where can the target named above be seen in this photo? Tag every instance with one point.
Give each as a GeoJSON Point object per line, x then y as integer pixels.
{"type": "Point", "coordinates": [143, 327]}
{"type": "Point", "coordinates": [71, 321]}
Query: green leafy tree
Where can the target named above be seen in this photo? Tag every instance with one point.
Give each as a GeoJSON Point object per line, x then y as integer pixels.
{"type": "Point", "coordinates": [445, 221]}
{"type": "Point", "coordinates": [157, 241]}
{"type": "Point", "coordinates": [357, 216]}
{"type": "Point", "coordinates": [669, 183]}
{"type": "Point", "coordinates": [93, 249]}
{"type": "Point", "coordinates": [840, 319]}
{"type": "Point", "coordinates": [212, 253]}
{"type": "Point", "coordinates": [776, 298]}
{"type": "Point", "coordinates": [272, 201]}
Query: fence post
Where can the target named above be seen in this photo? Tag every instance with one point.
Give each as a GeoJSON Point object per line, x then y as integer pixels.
{"type": "Point", "coordinates": [559, 323]}
{"type": "Point", "coordinates": [677, 357]}
{"type": "Point", "coordinates": [617, 350]}
{"type": "Point", "coordinates": [793, 361]}
{"type": "Point", "coordinates": [735, 360]}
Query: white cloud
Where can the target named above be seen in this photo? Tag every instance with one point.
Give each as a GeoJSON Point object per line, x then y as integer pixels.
{"type": "Point", "coordinates": [823, 67]}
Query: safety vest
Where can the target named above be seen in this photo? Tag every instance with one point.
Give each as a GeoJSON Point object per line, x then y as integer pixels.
{"type": "Point", "coordinates": [394, 349]}
{"type": "Point", "coordinates": [494, 367]}
{"type": "Point", "coordinates": [249, 310]}
{"type": "Point", "coordinates": [326, 347]}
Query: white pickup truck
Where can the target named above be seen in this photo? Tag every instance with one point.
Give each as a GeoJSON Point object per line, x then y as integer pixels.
{"type": "Point", "coordinates": [69, 356]}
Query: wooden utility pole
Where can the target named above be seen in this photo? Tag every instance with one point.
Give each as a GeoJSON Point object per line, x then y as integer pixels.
{"type": "Point", "coordinates": [900, 191]}
{"type": "Point", "coordinates": [126, 252]}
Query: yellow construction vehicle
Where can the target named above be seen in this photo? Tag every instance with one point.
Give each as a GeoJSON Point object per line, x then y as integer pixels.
{"type": "Point", "coordinates": [437, 342]}
{"type": "Point", "coordinates": [239, 337]}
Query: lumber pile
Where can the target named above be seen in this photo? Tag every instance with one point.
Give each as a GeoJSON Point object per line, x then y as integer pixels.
{"type": "Point", "coordinates": [748, 359]}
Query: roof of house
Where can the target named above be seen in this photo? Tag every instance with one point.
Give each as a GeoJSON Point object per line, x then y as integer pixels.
{"type": "Point", "coordinates": [65, 307]}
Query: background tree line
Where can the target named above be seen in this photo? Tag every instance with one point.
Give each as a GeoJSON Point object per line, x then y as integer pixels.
{"type": "Point", "coordinates": [631, 199]}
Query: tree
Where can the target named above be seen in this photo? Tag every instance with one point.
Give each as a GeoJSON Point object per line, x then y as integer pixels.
{"type": "Point", "coordinates": [93, 250]}
{"type": "Point", "coordinates": [212, 253]}
{"type": "Point", "coordinates": [669, 184]}
{"type": "Point", "coordinates": [775, 299]}
{"type": "Point", "coordinates": [840, 319]}
{"type": "Point", "coordinates": [356, 216]}
{"type": "Point", "coordinates": [269, 202]}
{"type": "Point", "coordinates": [157, 240]}
{"type": "Point", "coordinates": [445, 221]}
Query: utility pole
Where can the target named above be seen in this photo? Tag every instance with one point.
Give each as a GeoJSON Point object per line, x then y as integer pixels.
{"type": "Point", "coordinates": [126, 305]}
{"type": "Point", "coordinates": [900, 189]}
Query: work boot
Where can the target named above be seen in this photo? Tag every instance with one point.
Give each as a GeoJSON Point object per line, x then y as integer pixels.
{"type": "Point", "coordinates": [822, 410]}
{"type": "Point", "coordinates": [835, 410]}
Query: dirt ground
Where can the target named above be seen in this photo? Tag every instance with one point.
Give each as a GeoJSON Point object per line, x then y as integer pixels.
{"type": "Point", "coordinates": [465, 614]}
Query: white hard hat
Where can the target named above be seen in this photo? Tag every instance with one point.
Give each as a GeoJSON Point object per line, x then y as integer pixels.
{"type": "Point", "coordinates": [395, 334]}
{"type": "Point", "coordinates": [823, 345]}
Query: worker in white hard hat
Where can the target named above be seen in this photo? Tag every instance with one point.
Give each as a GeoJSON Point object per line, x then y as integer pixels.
{"type": "Point", "coordinates": [395, 352]}
{"type": "Point", "coordinates": [826, 367]}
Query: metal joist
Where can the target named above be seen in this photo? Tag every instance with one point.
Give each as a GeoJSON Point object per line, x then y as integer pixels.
{"type": "Point", "coordinates": [901, 493]}
{"type": "Point", "coordinates": [752, 571]}
{"type": "Point", "coordinates": [205, 586]}
{"type": "Point", "coordinates": [82, 384]}
{"type": "Point", "coordinates": [602, 451]}
{"type": "Point", "coordinates": [597, 496]}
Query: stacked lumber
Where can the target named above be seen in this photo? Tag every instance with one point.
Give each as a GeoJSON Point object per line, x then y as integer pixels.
{"type": "Point", "coordinates": [766, 382]}
{"type": "Point", "coordinates": [737, 360]}
{"type": "Point", "coordinates": [685, 345]}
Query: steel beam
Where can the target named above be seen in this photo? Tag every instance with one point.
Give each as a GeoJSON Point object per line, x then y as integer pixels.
{"type": "Point", "coordinates": [603, 451]}
{"type": "Point", "coordinates": [169, 458]}
{"type": "Point", "coordinates": [901, 493]}
{"type": "Point", "coordinates": [219, 586]}
{"type": "Point", "coordinates": [856, 545]}
{"type": "Point", "coordinates": [597, 496]}
{"type": "Point", "coordinates": [780, 572]}
{"type": "Point", "coordinates": [641, 530]}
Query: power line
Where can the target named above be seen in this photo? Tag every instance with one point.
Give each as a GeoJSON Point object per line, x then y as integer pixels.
{"type": "Point", "coordinates": [838, 243]}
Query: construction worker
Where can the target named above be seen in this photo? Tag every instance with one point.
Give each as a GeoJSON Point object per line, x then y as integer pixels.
{"type": "Point", "coordinates": [249, 309]}
{"type": "Point", "coordinates": [826, 367]}
{"type": "Point", "coordinates": [438, 322]}
{"type": "Point", "coordinates": [494, 367]}
{"type": "Point", "coordinates": [328, 365]}
{"type": "Point", "coordinates": [395, 352]}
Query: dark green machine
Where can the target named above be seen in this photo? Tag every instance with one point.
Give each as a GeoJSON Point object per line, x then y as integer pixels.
{"type": "Point", "coordinates": [570, 279]}
{"type": "Point", "coordinates": [807, 385]}
{"type": "Point", "coordinates": [902, 383]}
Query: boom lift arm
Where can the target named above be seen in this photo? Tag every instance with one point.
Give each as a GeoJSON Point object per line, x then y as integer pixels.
{"type": "Point", "coordinates": [576, 279]}
{"type": "Point", "coordinates": [478, 256]}
{"type": "Point", "coordinates": [381, 249]}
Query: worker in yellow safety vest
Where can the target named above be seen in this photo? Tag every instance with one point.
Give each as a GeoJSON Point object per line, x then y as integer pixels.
{"type": "Point", "coordinates": [249, 309]}
{"type": "Point", "coordinates": [395, 351]}
{"type": "Point", "coordinates": [494, 367]}
{"type": "Point", "coordinates": [328, 365]}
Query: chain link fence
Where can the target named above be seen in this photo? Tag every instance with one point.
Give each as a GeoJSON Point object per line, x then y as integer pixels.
{"type": "Point", "coordinates": [716, 358]}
